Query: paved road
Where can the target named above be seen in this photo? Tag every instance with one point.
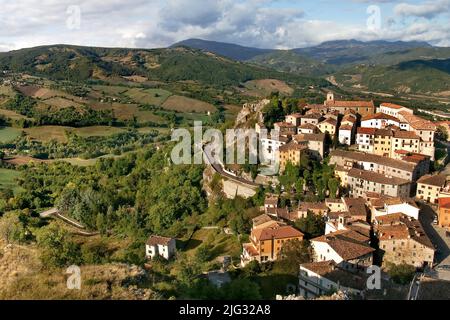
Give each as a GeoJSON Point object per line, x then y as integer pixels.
{"type": "Point", "coordinates": [415, 287]}
{"type": "Point", "coordinates": [436, 234]}
{"type": "Point", "coordinates": [219, 169]}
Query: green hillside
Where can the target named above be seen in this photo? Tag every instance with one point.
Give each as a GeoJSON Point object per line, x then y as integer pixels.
{"type": "Point", "coordinates": [174, 64]}
{"type": "Point", "coordinates": [290, 61]}
{"type": "Point", "coordinates": [417, 76]}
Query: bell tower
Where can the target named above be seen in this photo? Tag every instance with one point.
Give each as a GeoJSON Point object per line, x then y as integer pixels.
{"type": "Point", "coordinates": [330, 96]}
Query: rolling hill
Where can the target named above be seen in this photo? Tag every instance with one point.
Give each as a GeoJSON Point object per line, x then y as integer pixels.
{"type": "Point", "coordinates": [415, 76]}
{"type": "Point", "coordinates": [73, 63]}
{"type": "Point", "coordinates": [229, 50]}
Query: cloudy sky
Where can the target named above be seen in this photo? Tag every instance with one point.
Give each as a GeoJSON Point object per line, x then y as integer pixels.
{"type": "Point", "coordinates": [260, 23]}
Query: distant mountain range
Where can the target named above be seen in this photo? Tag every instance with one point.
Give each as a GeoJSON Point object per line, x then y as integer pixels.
{"type": "Point", "coordinates": [376, 66]}
{"type": "Point", "coordinates": [396, 67]}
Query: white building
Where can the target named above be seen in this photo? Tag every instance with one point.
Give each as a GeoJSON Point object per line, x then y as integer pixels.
{"type": "Point", "coordinates": [393, 109]}
{"type": "Point", "coordinates": [271, 145]}
{"type": "Point", "coordinates": [307, 128]}
{"type": "Point", "coordinates": [379, 121]}
{"type": "Point", "coordinates": [161, 246]}
{"type": "Point", "coordinates": [346, 134]}
{"type": "Point", "coordinates": [319, 278]}
{"type": "Point", "coordinates": [365, 139]}
{"type": "Point", "coordinates": [349, 249]}
{"type": "Point", "coordinates": [385, 206]}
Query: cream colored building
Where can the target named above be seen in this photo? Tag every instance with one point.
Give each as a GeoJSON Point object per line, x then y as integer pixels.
{"type": "Point", "coordinates": [429, 187]}
{"type": "Point", "coordinates": [328, 125]}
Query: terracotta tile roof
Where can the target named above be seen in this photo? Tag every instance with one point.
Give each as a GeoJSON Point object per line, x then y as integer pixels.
{"type": "Point", "coordinates": [330, 121]}
{"type": "Point", "coordinates": [308, 126]}
{"type": "Point", "coordinates": [356, 206]}
{"type": "Point", "coordinates": [305, 206]}
{"type": "Point", "coordinates": [398, 226]}
{"type": "Point", "coordinates": [316, 107]}
{"type": "Point", "coordinates": [309, 137]}
{"type": "Point", "coordinates": [284, 125]}
{"type": "Point", "coordinates": [271, 200]}
{"type": "Point", "coordinates": [276, 232]}
{"type": "Point", "coordinates": [157, 240]}
{"type": "Point", "coordinates": [376, 177]}
{"type": "Point", "coordinates": [348, 244]}
{"type": "Point", "coordinates": [316, 116]}
{"type": "Point", "coordinates": [346, 127]}
{"type": "Point", "coordinates": [392, 105]}
{"type": "Point", "coordinates": [393, 201]}
{"type": "Point", "coordinates": [412, 157]}
{"type": "Point", "coordinates": [349, 117]}
{"type": "Point", "coordinates": [417, 122]}
{"type": "Point", "coordinates": [292, 146]}
{"type": "Point", "coordinates": [329, 270]}
{"type": "Point", "coordinates": [364, 230]}
{"type": "Point", "coordinates": [250, 249]}
{"type": "Point", "coordinates": [384, 132]}
{"type": "Point", "coordinates": [259, 220]}
{"type": "Point", "coordinates": [295, 115]}
{"type": "Point", "coordinates": [349, 104]}
{"type": "Point", "coordinates": [380, 115]}
{"type": "Point", "coordinates": [406, 135]}
{"type": "Point", "coordinates": [364, 157]}
{"type": "Point", "coordinates": [370, 131]}
{"type": "Point", "coordinates": [433, 180]}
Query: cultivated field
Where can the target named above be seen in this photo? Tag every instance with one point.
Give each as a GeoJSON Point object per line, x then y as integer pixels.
{"type": "Point", "coordinates": [22, 160]}
{"type": "Point", "coordinates": [148, 96]}
{"type": "Point", "coordinates": [58, 133]}
{"type": "Point", "coordinates": [110, 90]}
{"type": "Point", "coordinates": [61, 103]}
{"type": "Point", "coordinates": [184, 104]}
{"type": "Point", "coordinates": [8, 134]}
{"type": "Point", "coordinates": [7, 91]}
{"type": "Point", "coordinates": [96, 131]}
{"type": "Point", "coordinates": [48, 133]}
{"type": "Point", "coordinates": [7, 178]}
{"type": "Point", "coordinates": [12, 115]}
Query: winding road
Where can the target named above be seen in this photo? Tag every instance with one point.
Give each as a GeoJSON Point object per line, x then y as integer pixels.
{"type": "Point", "coordinates": [220, 170]}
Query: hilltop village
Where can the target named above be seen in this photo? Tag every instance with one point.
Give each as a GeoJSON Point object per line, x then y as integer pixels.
{"type": "Point", "coordinates": [381, 158]}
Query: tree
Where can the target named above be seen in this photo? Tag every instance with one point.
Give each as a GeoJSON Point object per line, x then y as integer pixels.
{"type": "Point", "coordinates": [57, 249]}
{"type": "Point", "coordinates": [203, 253]}
{"type": "Point", "coordinates": [333, 186]}
{"type": "Point", "coordinates": [11, 228]}
{"type": "Point", "coordinates": [442, 133]}
{"type": "Point", "coordinates": [312, 225]}
{"type": "Point", "coordinates": [401, 273]}
{"type": "Point", "coordinates": [294, 253]}
{"type": "Point", "coordinates": [241, 289]}
{"type": "Point", "coordinates": [289, 176]}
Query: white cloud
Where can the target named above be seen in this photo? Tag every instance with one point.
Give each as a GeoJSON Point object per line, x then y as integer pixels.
{"type": "Point", "coordinates": [159, 23]}
{"type": "Point", "coordinates": [425, 10]}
